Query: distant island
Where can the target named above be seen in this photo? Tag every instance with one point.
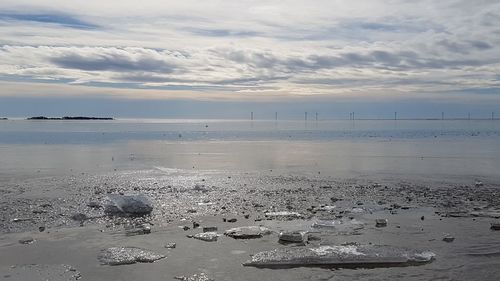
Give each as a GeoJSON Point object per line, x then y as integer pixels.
{"type": "Point", "coordinates": [69, 118]}
{"type": "Point", "coordinates": [3, 118]}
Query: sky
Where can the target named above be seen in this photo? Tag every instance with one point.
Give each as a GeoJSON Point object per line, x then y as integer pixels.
{"type": "Point", "coordinates": [223, 59]}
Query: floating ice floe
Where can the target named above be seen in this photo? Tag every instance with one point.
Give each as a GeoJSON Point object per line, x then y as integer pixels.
{"type": "Point", "coordinates": [196, 277]}
{"type": "Point", "coordinates": [293, 236]}
{"type": "Point", "coordinates": [352, 256]}
{"type": "Point", "coordinates": [207, 236]}
{"type": "Point", "coordinates": [326, 223]}
{"type": "Point", "coordinates": [487, 214]}
{"type": "Point", "coordinates": [40, 272]}
{"type": "Point", "coordinates": [344, 226]}
{"type": "Point", "coordinates": [137, 230]}
{"type": "Point", "coordinates": [284, 215]}
{"type": "Point", "coordinates": [127, 255]}
{"type": "Point", "coordinates": [128, 205]}
{"type": "Point", "coordinates": [247, 232]}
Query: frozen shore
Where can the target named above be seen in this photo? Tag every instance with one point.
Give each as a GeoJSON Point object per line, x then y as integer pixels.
{"type": "Point", "coordinates": [41, 218]}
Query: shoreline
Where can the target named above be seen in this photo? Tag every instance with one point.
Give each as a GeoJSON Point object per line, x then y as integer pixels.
{"type": "Point", "coordinates": [69, 118]}
{"type": "Point", "coordinates": [419, 216]}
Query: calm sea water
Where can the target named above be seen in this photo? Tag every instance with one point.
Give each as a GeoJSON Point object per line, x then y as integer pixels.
{"type": "Point", "coordinates": [438, 148]}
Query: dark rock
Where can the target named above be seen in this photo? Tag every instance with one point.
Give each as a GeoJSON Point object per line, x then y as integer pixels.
{"type": "Point", "coordinates": [311, 237]}
{"type": "Point", "coordinates": [94, 205]}
{"type": "Point", "coordinates": [381, 222]}
{"type": "Point", "coordinates": [195, 225]}
{"type": "Point", "coordinates": [495, 226]}
{"type": "Point", "coordinates": [210, 229]}
{"type": "Point", "coordinates": [448, 239]}
{"type": "Point", "coordinates": [79, 217]}
{"type": "Point", "coordinates": [232, 220]}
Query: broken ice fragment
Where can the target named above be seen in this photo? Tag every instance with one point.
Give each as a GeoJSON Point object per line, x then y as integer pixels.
{"type": "Point", "coordinates": [36, 272]}
{"type": "Point", "coordinates": [351, 256]}
{"type": "Point", "coordinates": [284, 215]}
{"type": "Point", "coordinates": [136, 205]}
{"type": "Point", "coordinates": [207, 236]}
{"type": "Point", "coordinates": [127, 255]}
{"type": "Point", "coordinates": [293, 237]}
{"type": "Point", "coordinates": [247, 232]}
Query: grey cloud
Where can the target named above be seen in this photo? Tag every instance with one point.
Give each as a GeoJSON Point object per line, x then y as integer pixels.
{"type": "Point", "coordinates": [377, 59]}
{"type": "Point", "coordinates": [242, 81]}
{"type": "Point", "coordinates": [490, 19]}
{"type": "Point", "coordinates": [480, 45]}
{"type": "Point", "coordinates": [223, 33]}
{"type": "Point", "coordinates": [464, 47]}
{"type": "Point", "coordinates": [250, 81]}
{"type": "Point", "coordinates": [112, 61]}
{"type": "Point", "coordinates": [255, 59]}
{"type": "Point", "coordinates": [144, 78]}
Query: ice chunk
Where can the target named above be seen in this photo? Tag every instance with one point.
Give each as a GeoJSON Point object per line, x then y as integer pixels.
{"type": "Point", "coordinates": [247, 232]}
{"type": "Point", "coordinates": [326, 223]}
{"type": "Point", "coordinates": [487, 214]}
{"type": "Point", "coordinates": [207, 236]}
{"type": "Point", "coordinates": [127, 255]}
{"type": "Point", "coordinates": [284, 215]}
{"type": "Point", "coordinates": [293, 236]}
{"type": "Point", "coordinates": [137, 230]}
{"type": "Point", "coordinates": [196, 277]}
{"type": "Point", "coordinates": [351, 256]}
{"type": "Point", "coordinates": [39, 272]}
{"type": "Point", "coordinates": [128, 204]}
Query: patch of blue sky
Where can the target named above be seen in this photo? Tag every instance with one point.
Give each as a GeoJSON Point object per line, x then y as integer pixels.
{"type": "Point", "coordinates": [50, 18]}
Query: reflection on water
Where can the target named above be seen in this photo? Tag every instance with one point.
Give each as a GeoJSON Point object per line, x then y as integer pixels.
{"type": "Point", "coordinates": [337, 148]}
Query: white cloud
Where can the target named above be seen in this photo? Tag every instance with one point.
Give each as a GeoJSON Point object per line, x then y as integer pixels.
{"type": "Point", "coordinates": [256, 47]}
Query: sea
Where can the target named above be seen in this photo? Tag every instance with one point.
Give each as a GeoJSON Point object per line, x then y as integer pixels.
{"type": "Point", "coordinates": [341, 148]}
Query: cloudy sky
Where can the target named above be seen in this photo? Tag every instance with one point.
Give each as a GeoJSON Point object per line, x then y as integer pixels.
{"type": "Point", "coordinates": [197, 58]}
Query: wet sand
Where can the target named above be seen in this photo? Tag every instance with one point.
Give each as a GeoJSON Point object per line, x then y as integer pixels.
{"type": "Point", "coordinates": [419, 213]}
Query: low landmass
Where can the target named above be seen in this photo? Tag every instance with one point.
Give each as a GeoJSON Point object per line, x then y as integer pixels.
{"type": "Point", "coordinates": [3, 118]}
{"type": "Point", "coordinates": [69, 118]}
